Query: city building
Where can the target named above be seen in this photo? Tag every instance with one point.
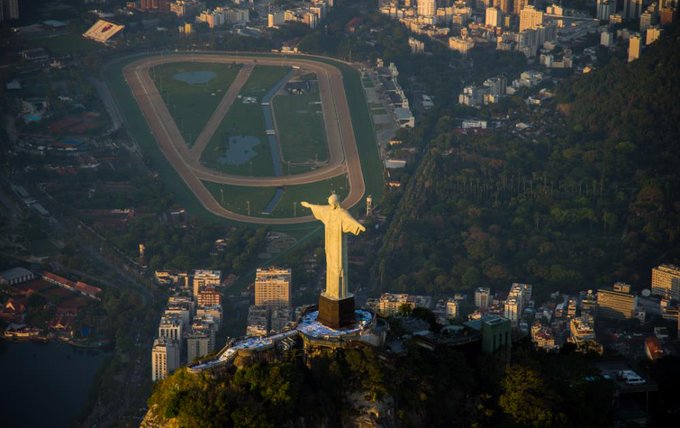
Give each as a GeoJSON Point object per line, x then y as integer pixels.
{"type": "Point", "coordinates": [427, 7]}
{"type": "Point", "coordinates": [496, 333]}
{"type": "Point", "coordinates": [390, 304]}
{"type": "Point", "coordinates": [274, 19]}
{"type": "Point", "coordinates": [9, 9]}
{"type": "Point", "coordinates": [461, 44]}
{"type": "Point", "coordinates": [208, 296]}
{"type": "Point", "coordinates": [164, 358]}
{"type": "Point", "coordinates": [186, 8]}
{"type": "Point", "coordinates": [416, 45]}
{"type": "Point", "coordinates": [632, 9]}
{"type": "Point", "coordinates": [205, 277]}
{"type": "Point", "coordinates": [171, 328]}
{"type": "Point", "coordinates": [617, 302]}
{"type": "Point", "coordinates": [493, 17]}
{"type": "Point", "coordinates": [452, 308]}
{"type": "Point", "coordinates": [529, 17]}
{"type": "Point", "coordinates": [653, 34]}
{"type": "Point", "coordinates": [198, 345]}
{"type": "Point", "coordinates": [15, 276]}
{"type": "Point", "coordinates": [273, 287]}
{"type": "Point", "coordinates": [518, 299]}
{"type": "Point", "coordinates": [505, 6]}
{"type": "Point", "coordinates": [155, 5]}
{"type": "Point", "coordinates": [258, 321]}
{"type": "Point", "coordinates": [604, 8]}
{"type": "Point", "coordinates": [518, 5]}
{"type": "Point", "coordinates": [634, 47]}
{"type": "Point", "coordinates": [647, 19]}
{"type": "Point", "coordinates": [214, 312]}
{"type": "Point", "coordinates": [607, 39]}
{"type": "Point", "coordinates": [482, 297]}
{"type": "Point", "coordinates": [666, 281]}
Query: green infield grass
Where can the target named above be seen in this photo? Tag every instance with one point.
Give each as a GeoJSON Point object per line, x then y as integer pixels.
{"type": "Point", "coordinates": [300, 125]}
{"type": "Point", "coordinates": [239, 198]}
{"type": "Point", "coordinates": [191, 103]}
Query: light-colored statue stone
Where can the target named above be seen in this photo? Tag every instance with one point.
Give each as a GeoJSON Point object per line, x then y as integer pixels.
{"type": "Point", "coordinates": [337, 221]}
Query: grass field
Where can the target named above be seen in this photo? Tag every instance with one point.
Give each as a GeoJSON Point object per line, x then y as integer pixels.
{"type": "Point", "coordinates": [248, 120]}
{"type": "Point", "coordinates": [191, 105]}
{"type": "Point", "coordinates": [237, 198]}
{"type": "Point", "coordinates": [67, 43]}
{"type": "Point", "coordinates": [138, 128]}
{"type": "Point", "coordinates": [299, 121]}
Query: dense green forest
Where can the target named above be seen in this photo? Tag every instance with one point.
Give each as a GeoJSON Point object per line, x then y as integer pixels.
{"type": "Point", "coordinates": [423, 388]}
{"type": "Point", "coordinates": [587, 196]}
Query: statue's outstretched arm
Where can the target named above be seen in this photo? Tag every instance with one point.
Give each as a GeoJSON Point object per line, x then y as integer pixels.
{"type": "Point", "coordinates": [306, 204]}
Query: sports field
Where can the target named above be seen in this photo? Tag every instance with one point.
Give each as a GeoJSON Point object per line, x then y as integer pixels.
{"type": "Point", "coordinates": [353, 168]}
{"type": "Point", "coordinates": [192, 91]}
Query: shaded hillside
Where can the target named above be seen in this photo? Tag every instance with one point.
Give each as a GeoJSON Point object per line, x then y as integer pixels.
{"type": "Point", "coordinates": [573, 203]}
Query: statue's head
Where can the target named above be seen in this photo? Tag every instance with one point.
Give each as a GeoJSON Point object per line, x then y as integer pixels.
{"type": "Point", "coordinates": [333, 200]}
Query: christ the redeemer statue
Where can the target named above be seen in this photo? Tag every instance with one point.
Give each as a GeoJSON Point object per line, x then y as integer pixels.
{"type": "Point", "coordinates": [337, 221]}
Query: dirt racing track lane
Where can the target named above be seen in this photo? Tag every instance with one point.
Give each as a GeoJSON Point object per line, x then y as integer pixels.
{"type": "Point", "coordinates": [342, 146]}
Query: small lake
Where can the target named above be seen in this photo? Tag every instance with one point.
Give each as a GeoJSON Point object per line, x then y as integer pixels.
{"type": "Point", "coordinates": [240, 150]}
{"type": "Point", "coordinates": [195, 77]}
{"type": "Point", "coordinates": [45, 384]}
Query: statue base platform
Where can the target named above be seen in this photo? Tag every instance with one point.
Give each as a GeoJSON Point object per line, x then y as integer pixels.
{"type": "Point", "coordinates": [336, 313]}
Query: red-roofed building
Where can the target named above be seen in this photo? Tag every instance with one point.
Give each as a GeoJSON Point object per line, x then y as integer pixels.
{"type": "Point", "coordinates": [32, 287]}
{"type": "Point", "coordinates": [87, 289]}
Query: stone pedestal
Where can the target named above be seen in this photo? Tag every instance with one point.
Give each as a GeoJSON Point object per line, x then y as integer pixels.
{"type": "Point", "coordinates": [336, 313]}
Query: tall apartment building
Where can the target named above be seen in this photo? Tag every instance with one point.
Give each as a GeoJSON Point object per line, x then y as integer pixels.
{"type": "Point", "coordinates": [617, 302]}
{"type": "Point", "coordinates": [272, 287]}
{"type": "Point", "coordinates": [653, 34]}
{"type": "Point", "coordinates": [647, 19]}
{"type": "Point", "coordinates": [632, 9]}
{"type": "Point", "coordinates": [604, 8]}
{"type": "Point", "coordinates": [208, 296]}
{"type": "Point", "coordinates": [171, 328]}
{"type": "Point", "coordinates": [482, 297]}
{"type": "Point", "coordinates": [634, 47]}
{"type": "Point", "coordinates": [427, 7]}
{"type": "Point", "coordinates": [9, 9]}
{"type": "Point", "coordinates": [518, 299]}
{"type": "Point", "coordinates": [198, 345]}
{"type": "Point", "coordinates": [529, 17]}
{"type": "Point", "coordinates": [493, 17]}
{"type": "Point", "coordinates": [505, 6]}
{"type": "Point", "coordinates": [164, 358]}
{"type": "Point", "coordinates": [519, 5]}
{"type": "Point", "coordinates": [666, 281]}
{"type": "Point", "coordinates": [205, 277]}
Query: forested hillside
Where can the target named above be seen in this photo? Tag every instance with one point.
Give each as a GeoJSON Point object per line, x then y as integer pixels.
{"type": "Point", "coordinates": [588, 195]}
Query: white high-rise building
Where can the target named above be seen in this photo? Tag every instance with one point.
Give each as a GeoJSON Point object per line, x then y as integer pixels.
{"type": "Point", "coordinates": [634, 47]}
{"type": "Point", "coordinates": [494, 17]}
{"type": "Point", "coordinates": [482, 297]}
{"type": "Point", "coordinates": [164, 358]}
{"type": "Point", "coordinates": [199, 343]}
{"type": "Point", "coordinates": [653, 34]}
{"type": "Point", "coordinates": [427, 7]}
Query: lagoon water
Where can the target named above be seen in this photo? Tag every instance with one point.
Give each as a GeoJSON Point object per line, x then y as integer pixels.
{"type": "Point", "coordinates": [195, 77]}
{"type": "Point", "coordinates": [240, 150]}
{"type": "Point", "coordinates": [45, 385]}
